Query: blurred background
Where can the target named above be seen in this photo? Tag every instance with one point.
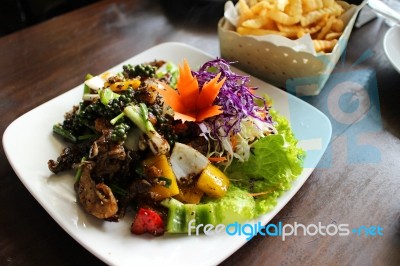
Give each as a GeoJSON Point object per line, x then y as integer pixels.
{"type": "Point", "coordinates": [18, 14]}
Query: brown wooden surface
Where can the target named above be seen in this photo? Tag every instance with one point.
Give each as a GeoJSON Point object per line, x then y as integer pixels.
{"type": "Point", "coordinates": [41, 62]}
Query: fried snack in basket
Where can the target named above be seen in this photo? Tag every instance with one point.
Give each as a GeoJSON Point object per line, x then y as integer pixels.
{"type": "Point", "coordinates": [293, 19]}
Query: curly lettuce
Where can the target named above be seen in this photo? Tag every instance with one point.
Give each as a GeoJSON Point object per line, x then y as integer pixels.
{"type": "Point", "coordinates": [274, 163]}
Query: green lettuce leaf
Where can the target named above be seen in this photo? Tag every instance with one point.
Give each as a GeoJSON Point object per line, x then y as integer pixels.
{"type": "Point", "coordinates": [273, 165]}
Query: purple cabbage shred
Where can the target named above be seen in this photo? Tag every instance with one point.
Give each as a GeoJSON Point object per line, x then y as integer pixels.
{"type": "Point", "coordinates": [235, 97]}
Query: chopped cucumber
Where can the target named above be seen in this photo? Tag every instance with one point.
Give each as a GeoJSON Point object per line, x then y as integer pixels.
{"type": "Point", "coordinates": [180, 215]}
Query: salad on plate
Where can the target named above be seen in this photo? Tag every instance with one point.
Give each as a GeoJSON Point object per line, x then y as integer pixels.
{"type": "Point", "coordinates": [176, 145]}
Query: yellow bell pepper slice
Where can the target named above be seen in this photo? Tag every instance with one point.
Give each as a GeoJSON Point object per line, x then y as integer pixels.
{"type": "Point", "coordinates": [124, 85]}
{"type": "Point", "coordinates": [189, 194]}
{"type": "Point", "coordinates": [158, 191]}
{"type": "Point", "coordinates": [213, 182]}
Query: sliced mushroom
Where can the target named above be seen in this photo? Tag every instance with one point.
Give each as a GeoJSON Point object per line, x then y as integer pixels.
{"type": "Point", "coordinates": [96, 199]}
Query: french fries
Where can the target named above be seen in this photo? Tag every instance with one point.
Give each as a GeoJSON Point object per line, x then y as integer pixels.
{"type": "Point", "coordinates": [293, 19]}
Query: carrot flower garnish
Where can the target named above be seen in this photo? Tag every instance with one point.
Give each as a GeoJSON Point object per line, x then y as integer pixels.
{"type": "Point", "coordinates": [189, 102]}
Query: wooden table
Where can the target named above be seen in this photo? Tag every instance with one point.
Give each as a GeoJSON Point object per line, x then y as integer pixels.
{"type": "Point", "coordinates": [352, 185]}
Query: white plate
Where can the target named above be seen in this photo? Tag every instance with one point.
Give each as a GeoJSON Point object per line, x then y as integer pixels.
{"type": "Point", "coordinates": [391, 45]}
{"type": "Point", "coordinates": [112, 242]}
